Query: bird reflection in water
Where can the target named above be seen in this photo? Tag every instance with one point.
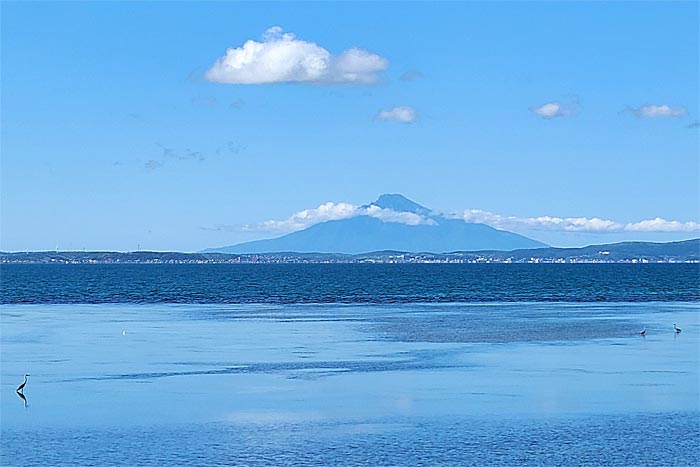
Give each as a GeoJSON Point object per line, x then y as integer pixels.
{"type": "Point", "coordinates": [23, 397]}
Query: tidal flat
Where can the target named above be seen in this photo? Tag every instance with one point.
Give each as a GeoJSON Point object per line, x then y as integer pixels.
{"type": "Point", "coordinates": [538, 384]}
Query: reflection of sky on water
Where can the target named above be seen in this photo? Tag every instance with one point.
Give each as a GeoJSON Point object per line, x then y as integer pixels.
{"type": "Point", "coordinates": [350, 370]}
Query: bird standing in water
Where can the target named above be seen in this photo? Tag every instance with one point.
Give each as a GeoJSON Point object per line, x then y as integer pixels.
{"type": "Point", "coordinates": [676, 328]}
{"type": "Point", "coordinates": [20, 388]}
{"type": "Point", "coordinates": [643, 332]}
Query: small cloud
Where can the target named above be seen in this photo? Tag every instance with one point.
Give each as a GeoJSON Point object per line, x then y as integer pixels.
{"type": "Point", "coordinates": [694, 125]}
{"type": "Point", "coordinates": [654, 111]}
{"type": "Point", "coordinates": [282, 58]}
{"type": "Point", "coordinates": [555, 109]}
{"type": "Point", "coordinates": [398, 114]}
{"type": "Point", "coordinates": [153, 164]}
{"type": "Point", "coordinates": [410, 75]}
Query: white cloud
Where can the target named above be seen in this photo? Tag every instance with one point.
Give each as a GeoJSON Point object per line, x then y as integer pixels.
{"type": "Point", "coordinates": [575, 224]}
{"type": "Point", "coordinates": [653, 111]}
{"type": "Point", "coordinates": [335, 211]}
{"type": "Point", "coordinates": [306, 218]}
{"type": "Point", "coordinates": [398, 114]}
{"type": "Point", "coordinates": [662, 225]}
{"type": "Point", "coordinates": [555, 109]}
{"type": "Point", "coordinates": [281, 57]}
{"type": "Point", "coordinates": [389, 215]}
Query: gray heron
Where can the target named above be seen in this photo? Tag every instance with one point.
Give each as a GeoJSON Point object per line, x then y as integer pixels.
{"type": "Point", "coordinates": [20, 388]}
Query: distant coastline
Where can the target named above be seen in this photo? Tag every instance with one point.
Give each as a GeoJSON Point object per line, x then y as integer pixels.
{"type": "Point", "coordinates": [687, 251]}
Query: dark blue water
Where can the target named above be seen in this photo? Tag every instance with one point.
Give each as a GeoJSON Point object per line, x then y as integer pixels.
{"type": "Point", "coordinates": [349, 283]}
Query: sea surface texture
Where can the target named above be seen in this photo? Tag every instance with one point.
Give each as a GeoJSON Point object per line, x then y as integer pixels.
{"type": "Point", "coordinates": [350, 365]}
{"type": "Point", "coordinates": [347, 283]}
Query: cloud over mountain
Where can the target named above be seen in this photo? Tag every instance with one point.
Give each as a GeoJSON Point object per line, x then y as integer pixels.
{"type": "Point", "coordinates": [281, 57]}
{"type": "Point", "coordinates": [338, 211]}
{"type": "Point", "coordinates": [335, 211]}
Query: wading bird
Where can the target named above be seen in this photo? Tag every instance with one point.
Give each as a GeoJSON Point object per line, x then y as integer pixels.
{"type": "Point", "coordinates": [20, 388]}
{"type": "Point", "coordinates": [643, 332]}
{"type": "Point", "coordinates": [676, 328]}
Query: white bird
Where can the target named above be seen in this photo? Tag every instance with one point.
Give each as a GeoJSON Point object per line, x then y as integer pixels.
{"type": "Point", "coordinates": [643, 332]}
{"type": "Point", "coordinates": [676, 328]}
{"type": "Point", "coordinates": [20, 388]}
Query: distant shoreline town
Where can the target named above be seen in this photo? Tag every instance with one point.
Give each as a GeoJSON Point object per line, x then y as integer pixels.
{"type": "Point", "coordinates": [687, 251]}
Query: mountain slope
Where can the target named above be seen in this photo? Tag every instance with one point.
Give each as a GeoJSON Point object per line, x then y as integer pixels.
{"type": "Point", "coordinates": [364, 233]}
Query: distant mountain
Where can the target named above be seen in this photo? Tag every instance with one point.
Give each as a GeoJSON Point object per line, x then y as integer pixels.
{"type": "Point", "coordinates": [392, 222]}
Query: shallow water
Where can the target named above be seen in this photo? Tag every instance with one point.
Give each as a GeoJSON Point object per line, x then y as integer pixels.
{"type": "Point", "coordinates": [449, 384]}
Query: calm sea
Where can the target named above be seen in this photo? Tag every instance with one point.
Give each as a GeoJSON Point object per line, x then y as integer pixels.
{"type": "Point", "coordinates": [350, 365]}
{"type": "Point", "coordinates": [348, 283]}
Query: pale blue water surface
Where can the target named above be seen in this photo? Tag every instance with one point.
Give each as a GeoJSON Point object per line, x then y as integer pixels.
{"type": "Point", "coordinates": [378, 385]}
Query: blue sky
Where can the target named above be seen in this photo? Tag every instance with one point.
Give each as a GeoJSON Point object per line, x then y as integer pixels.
{"type": "Point", "coordinates": [114, 136]}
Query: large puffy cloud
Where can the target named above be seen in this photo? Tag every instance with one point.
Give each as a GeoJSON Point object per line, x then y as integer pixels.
{"type": "Point", "coordinates": [281, 57]}
{"type": "Point", "coordinates": [575, 224]}
{"type": "Point", "coordinates": [655, 111]}
{"type": "Point", "coordinates": [335, 211]}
